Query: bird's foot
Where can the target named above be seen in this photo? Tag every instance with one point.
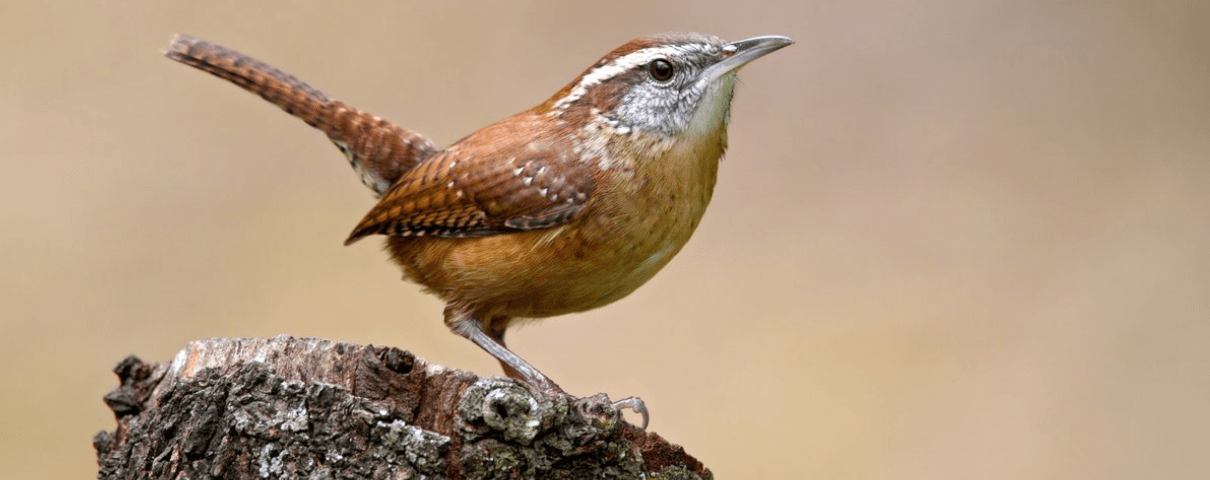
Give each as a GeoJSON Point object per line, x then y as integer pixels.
{"type": "Point", "coordinates": [606, 410]}
{"type": "Point", "coordinates": [636, 404]}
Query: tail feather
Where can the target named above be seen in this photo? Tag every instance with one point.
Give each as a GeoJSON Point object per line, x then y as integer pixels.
{"type": "Point", "coordinates": [380, 151]}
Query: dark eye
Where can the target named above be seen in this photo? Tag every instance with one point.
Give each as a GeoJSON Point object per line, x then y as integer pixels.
{"type": "Point", "coordinates": [661, 70]}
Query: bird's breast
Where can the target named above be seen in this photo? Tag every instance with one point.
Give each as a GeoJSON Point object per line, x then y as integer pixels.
{"type": "Point", "coordinates": [642, 213]}
{"type": "Point", "coordinates": [647, 212]}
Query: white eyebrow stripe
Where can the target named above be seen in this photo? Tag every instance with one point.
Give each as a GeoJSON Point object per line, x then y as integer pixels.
{"type": "Point", "coordinates": [618, 66]}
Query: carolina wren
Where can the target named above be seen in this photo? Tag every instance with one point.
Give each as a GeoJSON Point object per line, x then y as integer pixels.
{"type": "Point", "coordinates": [562, 208]}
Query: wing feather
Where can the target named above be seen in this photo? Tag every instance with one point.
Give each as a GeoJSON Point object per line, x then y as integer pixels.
{"type": "Point", "coordinates": [468, 192]}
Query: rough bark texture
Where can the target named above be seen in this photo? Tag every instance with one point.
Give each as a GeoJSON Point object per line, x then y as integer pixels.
{"type": "Point", "coordinates": [310, 408]}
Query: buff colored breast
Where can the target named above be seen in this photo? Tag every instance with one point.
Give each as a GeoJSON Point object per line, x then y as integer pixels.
{"type": "Point", "coordinates": [645, 213]}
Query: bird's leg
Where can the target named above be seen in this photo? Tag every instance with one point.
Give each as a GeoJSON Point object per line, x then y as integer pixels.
{"type": "Point", "coordinates": [494, 329]}
{"type": "Point", "coordinates": [473, 329]}
{"type": "Point", "coordinates": [490, 338]}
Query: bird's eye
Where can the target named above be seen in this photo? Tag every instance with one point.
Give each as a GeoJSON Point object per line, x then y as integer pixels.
{"type": "Point", "coordinates": [661, 70]}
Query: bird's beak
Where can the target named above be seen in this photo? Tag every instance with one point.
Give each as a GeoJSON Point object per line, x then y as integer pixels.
{"type": "Point", "coordinates": [738, 54]}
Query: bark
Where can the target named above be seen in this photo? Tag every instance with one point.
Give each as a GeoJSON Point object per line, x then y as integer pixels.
{"type": "Point", "coordinates": [311, 408]}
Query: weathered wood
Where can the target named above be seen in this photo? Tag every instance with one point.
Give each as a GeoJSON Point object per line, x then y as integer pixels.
{"type": "Point", "coordinates": [311, 408]}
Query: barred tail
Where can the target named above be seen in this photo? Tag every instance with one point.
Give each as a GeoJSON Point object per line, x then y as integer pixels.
{"type": "Point", "coordinates": [379, 151]}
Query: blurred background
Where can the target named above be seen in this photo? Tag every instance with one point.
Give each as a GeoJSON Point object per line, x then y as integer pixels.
{"type": "Point", "coordinates": [951, 239]}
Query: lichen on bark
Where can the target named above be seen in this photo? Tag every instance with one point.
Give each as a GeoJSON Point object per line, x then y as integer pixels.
{"type": "Point", "coordinates": [311, 408]}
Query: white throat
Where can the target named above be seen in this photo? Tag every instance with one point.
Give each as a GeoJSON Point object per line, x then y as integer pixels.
{"type": "Point", "coordinates": [714, 107]}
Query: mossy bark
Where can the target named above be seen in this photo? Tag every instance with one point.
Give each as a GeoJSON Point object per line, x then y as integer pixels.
{"type": "Point", "coordinates": [311, 408]}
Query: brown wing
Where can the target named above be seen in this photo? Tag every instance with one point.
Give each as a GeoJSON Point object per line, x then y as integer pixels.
{"type": "Point", "coordinates": [475, 192]}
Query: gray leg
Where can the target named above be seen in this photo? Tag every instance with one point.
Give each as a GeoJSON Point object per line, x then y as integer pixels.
{"type": "Point", "coordinates": [491, 339]}
{"type": "Point", "coordinates": [495, 328]}
{"type": "Point", "coordinates": [472, 329]}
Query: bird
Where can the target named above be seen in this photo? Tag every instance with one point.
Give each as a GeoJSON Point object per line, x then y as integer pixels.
{"type": "Point", "coordinates": [565, 207]}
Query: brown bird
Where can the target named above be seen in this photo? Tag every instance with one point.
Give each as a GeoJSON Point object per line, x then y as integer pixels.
{"type": "Point", "coordinates": [565, 207]}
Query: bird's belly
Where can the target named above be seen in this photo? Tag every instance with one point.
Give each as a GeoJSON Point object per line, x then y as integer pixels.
{"type": "Point", "coordinates": [631, 231]}
{"type": "Point", "coordinates": [579, 266]}
{"type": "Point", "coordinates": [617, 266]}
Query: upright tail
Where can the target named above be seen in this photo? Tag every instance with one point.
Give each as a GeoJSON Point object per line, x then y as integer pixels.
{"type": "Point", "coordinates": [379, 151]}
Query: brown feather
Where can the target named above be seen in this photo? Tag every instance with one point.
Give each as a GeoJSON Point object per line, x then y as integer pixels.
{"type": "Point", "coordinates": [476, 188]}
{"type": "Point", "coordinates": [380, 151]}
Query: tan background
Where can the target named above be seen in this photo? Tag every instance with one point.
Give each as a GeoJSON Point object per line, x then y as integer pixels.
{"type": "Point", "coordinates": [951, 239]}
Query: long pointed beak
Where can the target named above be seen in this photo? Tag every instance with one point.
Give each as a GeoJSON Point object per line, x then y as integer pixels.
{"type": "Point", "coordinates": [738, 54]}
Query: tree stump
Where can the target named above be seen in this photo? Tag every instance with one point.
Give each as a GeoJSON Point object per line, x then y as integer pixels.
{"type": "Point", "coordinates": [311, 408]}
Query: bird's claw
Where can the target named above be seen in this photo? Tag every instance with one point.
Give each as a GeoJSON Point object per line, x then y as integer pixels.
{"type": "Point", "coordinates": [636, 404]}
